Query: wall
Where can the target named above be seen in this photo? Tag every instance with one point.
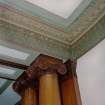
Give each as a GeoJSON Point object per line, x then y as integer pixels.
{"type": "Point", "coordinates": [91, 75]}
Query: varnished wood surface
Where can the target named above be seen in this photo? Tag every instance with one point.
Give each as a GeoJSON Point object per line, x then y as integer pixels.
{"type": "Point", "coordinates": [29, 97]}
{"type": "Point", "coordinates": [42, 64]}
{"type": "Point", "coordinates": [49, 90]}
{"type": "Point", "coordinates": [13, 64]}
{"type": "Point", "coordinates": [69, 87]}
{"type": "Point", "coordinates": [70, 93]}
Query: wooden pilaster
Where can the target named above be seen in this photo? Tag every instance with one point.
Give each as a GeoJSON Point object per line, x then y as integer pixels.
{"type": "Point", "coordinates": [46, 70]}
{"type": "Point", "coordinates": [69, 85]}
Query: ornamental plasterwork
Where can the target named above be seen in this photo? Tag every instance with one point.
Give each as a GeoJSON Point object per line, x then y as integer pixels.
{"type": "Point", "coordinates": [88, 19]}
{"type": "Point", "coordinates": [90, 39]}
{"type": "Point", "coordinates": [32, 24]}
{"type": "Point", "coordinates": [66, 36]}
{"type": "Point", "coordinates": [31, 40]}
{"type": "Point", "coordinates": [20, 28]}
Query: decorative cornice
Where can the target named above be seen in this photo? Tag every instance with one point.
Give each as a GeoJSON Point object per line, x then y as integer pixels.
{"type": "Point", "coordinates": [68, 36]}
{"type": "Point", "coordinates": [89, 40]}
{"type": "Point", "coordinates": [19, 28]}
{"type": "Point", "coordinates": [29, 23]}
{"type": "Point", "coordinates": [87, 20]}
{"type": "Point", "coordinates": [19, 36]}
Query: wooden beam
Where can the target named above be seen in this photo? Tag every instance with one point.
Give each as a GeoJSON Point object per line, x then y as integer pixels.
{"type": "Point", "coordinates": [13, 64]}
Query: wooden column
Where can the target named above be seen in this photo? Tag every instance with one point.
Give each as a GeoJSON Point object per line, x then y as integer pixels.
{"type": "Point", "coordinates": [46, 69]}
{"type": "Point", "coordinates": [69, 85]}
{"type": "Point", "coordinates": [29, 96]}
{"type": "Point", "coordinates": [49, 90]}
{"type": "Point", "coordinates": [27, 89]}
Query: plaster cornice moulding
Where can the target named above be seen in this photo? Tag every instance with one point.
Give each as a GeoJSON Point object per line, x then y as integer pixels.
{"type": "Point", "coordinates": [22, 20]}
{"type": "Point", "coordinates": [87, 20]}
{"type": "Point", "coordinates": [31, 40]}
{"type": "Point", "coordinates": [69, 35]}
{"type": "Point", "coordinates": [89, 40]}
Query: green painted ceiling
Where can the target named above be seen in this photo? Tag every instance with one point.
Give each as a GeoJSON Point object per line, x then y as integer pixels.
{"type": "Point", "coordinates": [44, 15]}
{"type": "Point", "coordinates": [30, 29]}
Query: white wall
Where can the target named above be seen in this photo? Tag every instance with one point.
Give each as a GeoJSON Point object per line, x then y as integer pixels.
{"type": "Point", "coordinates": [91, 76]}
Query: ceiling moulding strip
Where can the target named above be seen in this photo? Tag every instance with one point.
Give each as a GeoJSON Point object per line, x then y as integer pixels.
{"type": "Point", "coordinates": [89, 28]}
{"type": "Point", "coordinates": [13, 64]}
{"type": "Point", "coordinates": [7, 78]}
{"type": "Point", "coordinates": [33, 25]}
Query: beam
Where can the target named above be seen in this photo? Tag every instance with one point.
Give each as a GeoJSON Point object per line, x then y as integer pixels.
{"type": "Point", "coordinates": [13, 64]}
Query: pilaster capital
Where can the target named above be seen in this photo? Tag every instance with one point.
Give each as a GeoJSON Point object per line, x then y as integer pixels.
{"type": "Point", "coordinates": [41, 65]}
{"type": "Point", "coordinates": [24, 82]}
{"type": "Point", "coordinates": [71, 69]}
{"type": "Point", "coordinates": [45, 64]}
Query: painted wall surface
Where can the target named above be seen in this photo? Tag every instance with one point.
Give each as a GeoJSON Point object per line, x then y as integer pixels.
{"type": "Point", "coordinates": [91, 75]}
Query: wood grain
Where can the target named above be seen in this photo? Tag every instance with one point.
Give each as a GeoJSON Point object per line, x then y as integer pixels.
{"type": "Point", "coordinates": [69, 86]}
{"type": "Point", "coordinates": [29, 96]}
{"type": "Point", "coordinates": [49, 90]}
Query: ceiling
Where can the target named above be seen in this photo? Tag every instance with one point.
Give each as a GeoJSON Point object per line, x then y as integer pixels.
{"type": "Point", "coordinates": [62, 8]}
{"type": "Point", "coordinates": [47, 24]}
{"type": "Point", "coordinates": [63, 29]}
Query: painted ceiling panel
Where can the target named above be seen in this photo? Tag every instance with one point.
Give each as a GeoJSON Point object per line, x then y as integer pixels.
{"type": "Point", "coordinates": [2, 82]}
{"type": "Point", "coordinates": [9, 97]}
{"type": "Point", "coordinates": [16, 53]}
{"type": "Point", "coordinates": [10, 72]}
{"type": "Point", "coordinates": [63, 8]}
{"type": "Point", "coordinates": [13, 53]}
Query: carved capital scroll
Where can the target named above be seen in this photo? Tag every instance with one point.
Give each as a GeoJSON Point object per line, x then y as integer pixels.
{"type": "Point", "coordinates": [41, 65]}
{"type": "Point", "coordinates": [45, 64]}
